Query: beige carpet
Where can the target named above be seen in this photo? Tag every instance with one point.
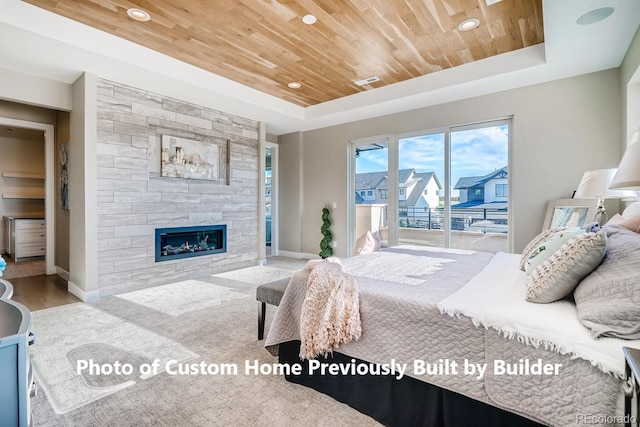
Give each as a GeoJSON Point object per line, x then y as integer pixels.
{"type": "Point", "coordinates": [224, 333]}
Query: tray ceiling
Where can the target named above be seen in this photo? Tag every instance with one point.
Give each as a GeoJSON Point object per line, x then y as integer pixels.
{"type": "Point", "coordinates": [264, 44]}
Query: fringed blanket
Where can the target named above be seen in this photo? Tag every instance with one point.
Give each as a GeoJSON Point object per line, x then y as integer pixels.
{"type": "Point", "coordinates": [501, 305]}
{"type": "Point", "coordinates": [331, 310]}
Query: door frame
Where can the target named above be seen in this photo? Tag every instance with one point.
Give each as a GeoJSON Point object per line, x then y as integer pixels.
{"type": "Point", "coordinates": [274, 197]}
{"type": "Point", "coordinates": [392, 168]}
{"type": "Point", "coordinates": [49, 184]}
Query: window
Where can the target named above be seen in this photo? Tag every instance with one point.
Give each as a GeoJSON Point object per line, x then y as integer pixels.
{"type": "Point", "coordinates": [362, 193]}
{"type": "Point", "coordinates": [501, 190]}
{"type": "Point", "coordinates": [370, 193]}
{"type": "Point", "coordinates": [426, 191]}
{"type": "Point", "coordinates": [383, 194]}
{"type": "Point", "coordinates": [402, 191]}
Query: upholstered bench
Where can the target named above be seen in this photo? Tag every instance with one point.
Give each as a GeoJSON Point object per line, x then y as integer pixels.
{"type": "Point", "coordinates": [269, 293]}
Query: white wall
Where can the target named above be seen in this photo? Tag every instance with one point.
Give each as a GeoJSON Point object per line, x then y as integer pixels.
{"type": "Point", "coordinates": [560, 129]}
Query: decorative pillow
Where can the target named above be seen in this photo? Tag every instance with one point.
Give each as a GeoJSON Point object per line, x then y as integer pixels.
{"type": "Point", "coordinates": [549, 246]}
{"type": "Point", "coordinates": [632, 210]}
{"type": "Point", "coordinates": [365, 244]}
{"type": "Point", "coordinates": [559, 274]}
{"type": "Point", "coordinates": [535, 242]}
{"type": "Point", "coordinates": [376, 237]}
{"type": "Point", "coordinates": [608, 299]}
{"type": "Point", "coordinates": [632, 223]}
{"type": "Point", "coordinates": [616, 219]}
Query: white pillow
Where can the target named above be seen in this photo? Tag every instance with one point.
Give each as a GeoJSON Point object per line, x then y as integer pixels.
{"type": "Point", "coordinates": [549, 246]}
{"type": "Point", "coordinates": [632, 210]}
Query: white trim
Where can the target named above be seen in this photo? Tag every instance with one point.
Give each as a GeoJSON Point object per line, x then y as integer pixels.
{"type": "Point", "coordinates": [298, 255]}
{"type": "Point", "coordinates": [49, 184]}
{"type": "Point", "coordinates": [62, 273]}
{"type": "Point", "coordinates": [90, 296]}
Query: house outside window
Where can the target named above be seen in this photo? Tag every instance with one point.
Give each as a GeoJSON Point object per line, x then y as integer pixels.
{"type": "Point", "coordinates": [383, 194]}
{"type": "Point", "coordinates": [501, 190]}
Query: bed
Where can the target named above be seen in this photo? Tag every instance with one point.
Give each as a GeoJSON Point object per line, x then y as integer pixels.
{"type": "Point", "coordinates": [427, 309]}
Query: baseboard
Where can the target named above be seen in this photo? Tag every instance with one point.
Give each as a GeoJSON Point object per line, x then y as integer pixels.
{"type": "Point", "coordinates": [62, 273]}
{"type": "Point", "coordinates": [82, 294]}
{"type": "Point", "coordinates": [298, 255]}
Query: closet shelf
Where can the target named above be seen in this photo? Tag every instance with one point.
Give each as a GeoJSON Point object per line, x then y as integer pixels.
{"type": "Point", "coordinates": [23, 196]}
{"type": "Point", "coordinates": [23, 175]}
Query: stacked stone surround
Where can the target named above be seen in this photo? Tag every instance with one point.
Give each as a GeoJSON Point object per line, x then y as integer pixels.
{"type": "Point", "coordinates": [134, 200]}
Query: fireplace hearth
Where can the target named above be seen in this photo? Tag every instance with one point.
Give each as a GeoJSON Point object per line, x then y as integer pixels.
{"type": "Point", "coordinates": [185, 242]}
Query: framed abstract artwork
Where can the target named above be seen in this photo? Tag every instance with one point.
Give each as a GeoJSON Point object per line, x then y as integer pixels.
{"type": "Point", "coordinates": [64, 175]}
{"type": "Point", "coordinates": [185, 158]}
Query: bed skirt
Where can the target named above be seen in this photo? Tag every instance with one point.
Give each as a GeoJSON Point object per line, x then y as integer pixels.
{"type": "Point", "coordinates": [404, 402]}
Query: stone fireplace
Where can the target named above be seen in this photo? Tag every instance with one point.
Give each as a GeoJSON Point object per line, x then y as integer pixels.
{"type": "Point", "coordinates": [185, 242]}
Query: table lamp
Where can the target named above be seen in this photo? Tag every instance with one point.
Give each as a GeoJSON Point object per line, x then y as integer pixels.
{"type": "Point", "coordinates": [595, 185]}
{"type": "Point", "coordinates": [628, 175]}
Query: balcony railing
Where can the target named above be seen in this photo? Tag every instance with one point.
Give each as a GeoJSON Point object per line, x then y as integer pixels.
{"type": "Point", "coordinates": [463, 219]}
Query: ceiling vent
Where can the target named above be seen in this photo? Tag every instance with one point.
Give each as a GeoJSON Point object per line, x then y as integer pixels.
{"type": "Point", "coordinates": [366, 81]}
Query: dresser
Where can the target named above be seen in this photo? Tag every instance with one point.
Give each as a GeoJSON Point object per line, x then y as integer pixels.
{"type": "Point", "coordinates": [25, 237]}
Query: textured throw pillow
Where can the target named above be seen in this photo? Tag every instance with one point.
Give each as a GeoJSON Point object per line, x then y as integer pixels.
{"type": "Point", "coordinates": [632, 223]}
{"type": "Point", "coordinates": [535, 242]}
{"type": "Point", "coordinates": [616, 219]}
{"type": "Point", "coordinates": [365, 244]}
{"type": "Point", "coordinates": [559, 274]}
{"type": "Point", "coordinates": [608, 299]}
{"type": "Point", "coordinates": [545, 249]}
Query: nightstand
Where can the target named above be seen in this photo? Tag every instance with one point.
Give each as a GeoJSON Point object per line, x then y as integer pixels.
{"type": "Point", "coordinates": [631, 385]}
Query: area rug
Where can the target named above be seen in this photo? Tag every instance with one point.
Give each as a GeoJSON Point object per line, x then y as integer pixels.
{"type": "Point", "coordinates": [256, 275]}
{"type": "Point", "coordinates": [70, 335]}
{"type": "Point", "coordinates": [182, 297]}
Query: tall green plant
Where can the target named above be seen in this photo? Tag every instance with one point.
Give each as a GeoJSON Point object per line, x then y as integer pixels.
{"type": "Point", "coordinates": [325, 244]}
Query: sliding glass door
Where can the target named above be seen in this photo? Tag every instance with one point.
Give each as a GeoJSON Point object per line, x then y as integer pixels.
{"type": "Point", "coordinates": [450, 187]}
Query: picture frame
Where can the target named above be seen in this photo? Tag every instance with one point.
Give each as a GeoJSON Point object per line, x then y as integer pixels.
{"type": "Point", "coordinates": [569, 213]}
{"type": "Point", "coordinates": [184, 158]}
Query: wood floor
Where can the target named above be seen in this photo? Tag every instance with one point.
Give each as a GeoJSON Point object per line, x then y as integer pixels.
{"type": "Point", "coordinates": [39, 292]}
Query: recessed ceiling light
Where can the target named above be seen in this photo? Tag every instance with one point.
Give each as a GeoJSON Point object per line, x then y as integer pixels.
{"type": "Point", "coordinates": [138, 14]}
{"type": "Point", "coordinates": [294, 85]}
{"type": "Point", "coordinates": [469, 24]}
{"type": "Point", "coordinates": [595, 15]}
{"type": "Point", "coordinates": [309, 19]}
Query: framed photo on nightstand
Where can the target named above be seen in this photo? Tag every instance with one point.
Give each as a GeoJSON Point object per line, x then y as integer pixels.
{"type": "Point", "coordinates": [569, 213]}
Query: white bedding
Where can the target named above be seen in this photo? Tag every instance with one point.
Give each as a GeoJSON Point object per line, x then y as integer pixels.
{"type": "Point", "coordinates": [495, 298]}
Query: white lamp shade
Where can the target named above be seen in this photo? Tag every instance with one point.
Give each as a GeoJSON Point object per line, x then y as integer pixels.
{"type": "Point", "coordinates": [628, 175]}
{"type": "Point", "coordinates": [595, 184]}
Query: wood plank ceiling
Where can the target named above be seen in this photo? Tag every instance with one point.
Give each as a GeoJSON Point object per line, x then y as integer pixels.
{"type": "Point", "coordinates": [265, 45]}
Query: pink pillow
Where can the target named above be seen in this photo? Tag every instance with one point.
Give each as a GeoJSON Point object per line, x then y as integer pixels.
{"type": "Point", "coordinates": [616, 219]}
{"type": "Point", "coordinates": [365, 244]}
{"type": "Point", "coordinates": [632, 223]}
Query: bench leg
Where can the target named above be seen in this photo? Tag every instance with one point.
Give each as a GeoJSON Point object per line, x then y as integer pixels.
{"type": "Point", "coordinates": [262, 308]}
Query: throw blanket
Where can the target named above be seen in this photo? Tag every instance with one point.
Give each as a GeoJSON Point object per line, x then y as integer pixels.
{"type": "Point", "coordinates": [501, 305]}
{"type": "Point", "coordinates": [331, 310]}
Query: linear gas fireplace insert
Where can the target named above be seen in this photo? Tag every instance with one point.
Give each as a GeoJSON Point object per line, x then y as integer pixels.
{"type": "Point", "coordinates": [184, 242]}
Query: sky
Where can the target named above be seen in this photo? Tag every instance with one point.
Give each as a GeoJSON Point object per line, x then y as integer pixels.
{"type": "Point", "coordinates": [474, 152]}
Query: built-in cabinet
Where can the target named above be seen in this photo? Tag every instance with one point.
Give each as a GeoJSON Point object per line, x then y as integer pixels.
{"type": "Point", "coordinates": [24, 238]}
